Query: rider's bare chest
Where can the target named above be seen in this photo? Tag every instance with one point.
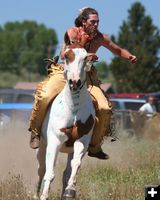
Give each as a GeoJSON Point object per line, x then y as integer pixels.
{"type": "Point", "coordinates": [92, 46]}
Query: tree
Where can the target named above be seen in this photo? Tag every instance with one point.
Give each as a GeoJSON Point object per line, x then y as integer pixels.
{"type": "Point", "coordinates": [23, 47]}
{"type": "Point", "coordinates": [102, 70]}
{"type": "Point", "coordinates": [142, 38]}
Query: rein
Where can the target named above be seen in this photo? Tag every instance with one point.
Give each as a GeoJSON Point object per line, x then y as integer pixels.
{"type": "Point", "coordinates": [83, 84]}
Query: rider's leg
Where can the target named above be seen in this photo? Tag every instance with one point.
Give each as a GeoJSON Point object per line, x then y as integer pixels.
{"type": "Point", "coordinates": [103, 114]}
{"type": "Point", "coordinates": [46, 91]}
{"type": "Point", "coordinates": [102, 125]}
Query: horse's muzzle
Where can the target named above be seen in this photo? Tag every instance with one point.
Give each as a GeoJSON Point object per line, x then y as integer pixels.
{"type": "Point", "coordinates": [75, 85]}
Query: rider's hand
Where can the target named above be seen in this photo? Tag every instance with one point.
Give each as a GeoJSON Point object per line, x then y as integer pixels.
{"type": "Point", "coordinates": [92, 57]}
{"type": "Point", "coordinates": [133, 58]}
{"type": "Point", "coordinates": [84, 38]}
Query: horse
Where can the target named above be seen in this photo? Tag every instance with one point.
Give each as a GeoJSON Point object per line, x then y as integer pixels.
{"type": "Point", "coordinates": [68, 126]}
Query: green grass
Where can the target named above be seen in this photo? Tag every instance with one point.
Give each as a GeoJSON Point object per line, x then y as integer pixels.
{"type": "Point", "coordinates": [112, 183]}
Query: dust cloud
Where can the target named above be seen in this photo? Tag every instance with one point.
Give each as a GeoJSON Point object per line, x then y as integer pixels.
{"type": "Point", "coordinates": [16, 157]}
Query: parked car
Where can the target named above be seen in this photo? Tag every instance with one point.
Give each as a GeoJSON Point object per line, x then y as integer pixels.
{"type": "Point", "coordinates": [154, 94]}
{"type": "Point", "coordinates": [15, 106]}
{"type": "Point", "coordinates": [144, 96]}
{"type": "Point", "coordinates": [127, 103]}
{"type": "Point", "coordinates": [16, 96]}
{"type": "Point", "coordinates": [127, 95]}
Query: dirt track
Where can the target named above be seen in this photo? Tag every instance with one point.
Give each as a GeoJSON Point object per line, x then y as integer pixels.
{"type": "Point", "coordinates": [17, 157]}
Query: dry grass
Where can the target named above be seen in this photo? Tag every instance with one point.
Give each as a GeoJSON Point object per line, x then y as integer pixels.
{"type": "Point", "coordinates": [132, 165]}
{"type": "Point", "coordinates": [13, 189]}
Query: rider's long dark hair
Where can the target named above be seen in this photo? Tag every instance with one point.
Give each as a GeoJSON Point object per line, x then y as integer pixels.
{"type": "Point", "coordinates": [84, 15]}
{"type": "Point", "coordinates": [66, 39]}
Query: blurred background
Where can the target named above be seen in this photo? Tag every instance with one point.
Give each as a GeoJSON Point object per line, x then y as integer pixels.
{"type": "Point", "coordinates": [31, 31]}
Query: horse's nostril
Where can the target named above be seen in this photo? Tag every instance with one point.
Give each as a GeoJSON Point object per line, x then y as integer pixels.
{"type": "Point", "coordinates": [78, 83]}
{"type": "Point", "coordinates": [70, 82]}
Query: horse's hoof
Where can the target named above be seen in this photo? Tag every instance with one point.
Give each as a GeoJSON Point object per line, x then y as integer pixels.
{"type": "Point", "coordinates": [44, 197]}
{"type": "Point", "coordinates": [35, 197]}
{"type": "Point", "coordinates": [69, 194]}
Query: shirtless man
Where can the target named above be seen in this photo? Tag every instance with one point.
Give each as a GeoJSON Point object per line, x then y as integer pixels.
{"type": "Point", "coordinates": [85, 33]}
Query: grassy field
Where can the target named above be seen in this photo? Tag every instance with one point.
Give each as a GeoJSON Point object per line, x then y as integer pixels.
{"type": "Point", "coordinates": [132, 165]}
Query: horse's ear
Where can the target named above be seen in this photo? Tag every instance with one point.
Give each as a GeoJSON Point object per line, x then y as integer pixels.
{"type": "Point", "coordinates": [88, 65]}
{"type": "Point", "coordinates": [69, 55]}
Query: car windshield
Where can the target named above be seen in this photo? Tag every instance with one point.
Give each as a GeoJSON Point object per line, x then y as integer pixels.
{"type": "Point", "coordinates": [133, 105]}
{"type": "Point", "coordinates": [6, 98]}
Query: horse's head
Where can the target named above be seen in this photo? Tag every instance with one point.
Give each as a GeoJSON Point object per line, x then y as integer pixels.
{"type": "Point", "coordinates": [76, 66]}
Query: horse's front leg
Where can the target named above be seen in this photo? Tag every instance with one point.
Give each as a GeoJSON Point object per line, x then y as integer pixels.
{"type": "Point", "coordinates": [80, 148]}
{"type": "Point", "coordinates": [51, 156]}
{"type": "Point", "coordinates": [66, 173]}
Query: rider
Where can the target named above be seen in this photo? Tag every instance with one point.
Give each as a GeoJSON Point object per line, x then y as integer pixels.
{"type": "Point", "coordinates": [85, 33]}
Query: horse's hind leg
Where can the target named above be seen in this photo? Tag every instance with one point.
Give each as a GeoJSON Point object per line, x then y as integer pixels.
{"type": "Point", "coordinates": [66, 173]}
{"type": "Point", "coordinates": [41, 165]}
{"type": "Point", "coordinates": [51, 156]}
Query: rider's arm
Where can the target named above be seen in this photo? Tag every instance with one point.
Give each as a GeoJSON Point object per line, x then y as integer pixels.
{"type": "Point", "coordinates": [108, 43]}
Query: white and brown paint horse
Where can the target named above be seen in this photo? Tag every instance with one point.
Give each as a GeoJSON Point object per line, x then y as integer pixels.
{"type": "Point", "coordinates": [68, 125]}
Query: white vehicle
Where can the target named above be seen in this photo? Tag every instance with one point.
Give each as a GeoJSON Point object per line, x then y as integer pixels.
{"type": "Point", "coordinates": [127, 103]}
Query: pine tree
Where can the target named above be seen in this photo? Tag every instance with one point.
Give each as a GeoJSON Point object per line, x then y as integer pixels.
{"type": "Point", "coordinates": [142, 38]}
